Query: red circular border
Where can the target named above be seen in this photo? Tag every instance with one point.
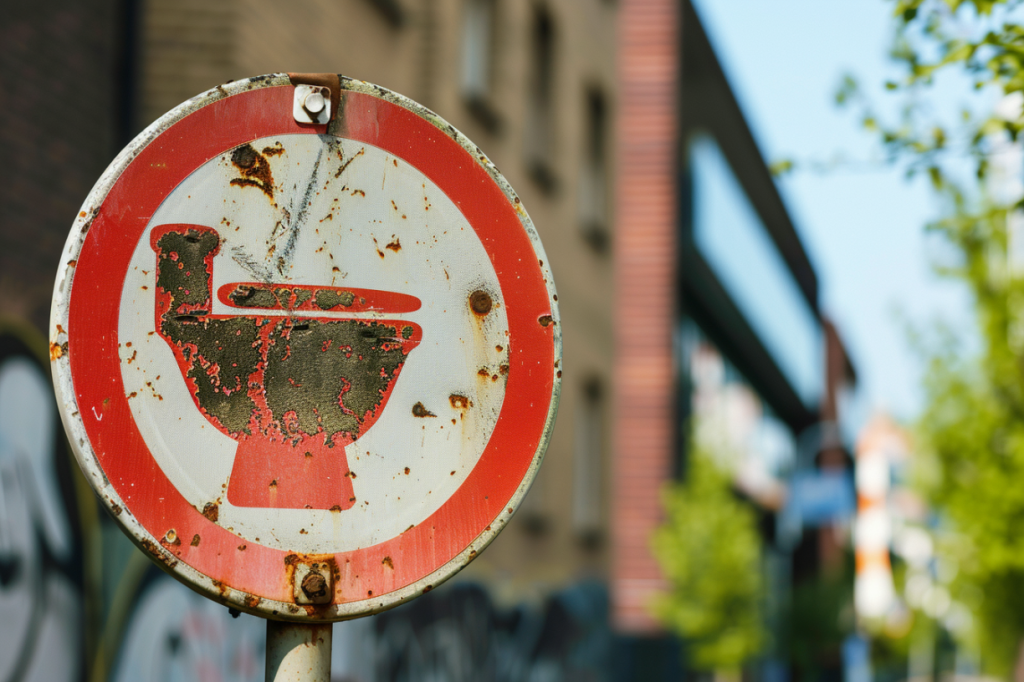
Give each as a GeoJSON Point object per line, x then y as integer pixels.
{"type": "Point", "coordinates": [95, 363]}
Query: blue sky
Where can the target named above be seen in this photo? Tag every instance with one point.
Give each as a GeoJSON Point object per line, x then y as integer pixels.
{"type": "Point", "coordinates": [863, 226]}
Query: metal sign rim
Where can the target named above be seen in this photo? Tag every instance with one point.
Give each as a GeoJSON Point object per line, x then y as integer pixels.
{"type": "Point", "coordinates": [83, 449]}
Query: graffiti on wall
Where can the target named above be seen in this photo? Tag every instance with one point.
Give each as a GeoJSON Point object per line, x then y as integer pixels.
{"type": "Point", "coordinates": [458, 634]}
{"type": "Point", "coordinates": [176, 635]}
{"type": "Point", "coordinates": [41, 584]}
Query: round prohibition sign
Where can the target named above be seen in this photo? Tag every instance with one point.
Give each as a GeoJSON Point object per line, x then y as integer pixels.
{"type": "Point", "coordinates": [310, 368]}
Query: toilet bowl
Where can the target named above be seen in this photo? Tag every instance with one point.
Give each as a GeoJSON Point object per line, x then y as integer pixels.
{"type": "Point", "coordinates": [293, 388]}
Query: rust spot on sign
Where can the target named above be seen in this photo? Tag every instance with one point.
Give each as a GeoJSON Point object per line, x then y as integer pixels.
{"type": "Point", "coordinates": [211, 511]}
{"type": "Point", "coordinates": [394, 245]}
{"type": "Point", "coordinates": [351, 159]}
{"type": "Point", "coordinates": [459, 402]}
{"type": "Point", "coordinates": [58, 350]}
{"type": "Point", "coordinates": [158, 554]}
{"type": "Point", "coordinates": [418, 410]}
{"type": "Point", "coordinates": [254, 170]}
{"type": "Point", "coordinates": [388, 562]}
{"type": "Point", "coordinates": [545, 320]}
{"type": "Point", "coordinates": [480, 302]}
{"type": "Point", "coordinates": [195, 540]}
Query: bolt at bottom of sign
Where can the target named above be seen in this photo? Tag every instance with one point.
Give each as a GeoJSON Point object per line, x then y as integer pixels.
{"type": "Point", "coordinates": [314, 586]}
{"type": "Point", "coordinates": [312, 583]}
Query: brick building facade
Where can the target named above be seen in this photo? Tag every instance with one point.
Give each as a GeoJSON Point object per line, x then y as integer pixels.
{"type": "Point", "coordinates": [591, 109]}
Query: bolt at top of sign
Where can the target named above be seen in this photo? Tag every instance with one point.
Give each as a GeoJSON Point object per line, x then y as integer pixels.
{"type": "Point", "coordinates": [312, 104]}
{"type": "Point", "coordinates": [312, 356]}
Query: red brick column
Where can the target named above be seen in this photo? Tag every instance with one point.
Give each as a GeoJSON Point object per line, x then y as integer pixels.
{"type": "Point", "coordinates": [645, 301]}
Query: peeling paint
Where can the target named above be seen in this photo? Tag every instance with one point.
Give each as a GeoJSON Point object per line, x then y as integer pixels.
{"type": "Point", "coordinates": [307, 383]}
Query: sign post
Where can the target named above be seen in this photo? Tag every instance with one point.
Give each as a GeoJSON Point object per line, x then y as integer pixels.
{"type": "Point", "coordinates": [299, 652]}
{"type": "Point", "coordinates": [306, 347]}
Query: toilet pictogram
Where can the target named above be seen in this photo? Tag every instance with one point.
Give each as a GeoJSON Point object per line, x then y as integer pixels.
{"type": "Point", "coordinates": [293, 391]}
{"type": "Point", "coordinates": [291, 352]}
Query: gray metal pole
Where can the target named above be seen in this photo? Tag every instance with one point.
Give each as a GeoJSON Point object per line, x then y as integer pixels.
{"type": "Point", "coordinates": [298, 652]}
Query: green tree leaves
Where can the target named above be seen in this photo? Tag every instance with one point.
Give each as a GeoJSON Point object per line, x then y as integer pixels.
{"type": "Point", "coordinates": [710, 551]}
{"type": "Point", "coordinates": [972, 428]}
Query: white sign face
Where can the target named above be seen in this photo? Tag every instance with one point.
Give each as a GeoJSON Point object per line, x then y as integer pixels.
{"type": "Point", "coordinates": [349, 232]}
{"type": "Point", "coordinates": [310, 368]}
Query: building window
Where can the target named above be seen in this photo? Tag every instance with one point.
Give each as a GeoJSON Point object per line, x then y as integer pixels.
{"type": "Point", "coordinates": [540, 138]}
{"type": "Point", "coordinates": [731, 422]}
{"type": "Point", "coordinates": [731, 236]}
{"type": "Point", "coordinates": [391, 10]}
{"type": "Point", "coordinates": [593, 188]}
{"type": "Point", "coordinates": [478, 40]}
{"type": "Point", "coordinates": [588, 464]}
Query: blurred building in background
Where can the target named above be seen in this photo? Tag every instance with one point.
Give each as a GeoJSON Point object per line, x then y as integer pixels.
{"type": "Point", "coordinates": [730, 303]}
{"type": "Point", "coordinates": [687, 303]}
